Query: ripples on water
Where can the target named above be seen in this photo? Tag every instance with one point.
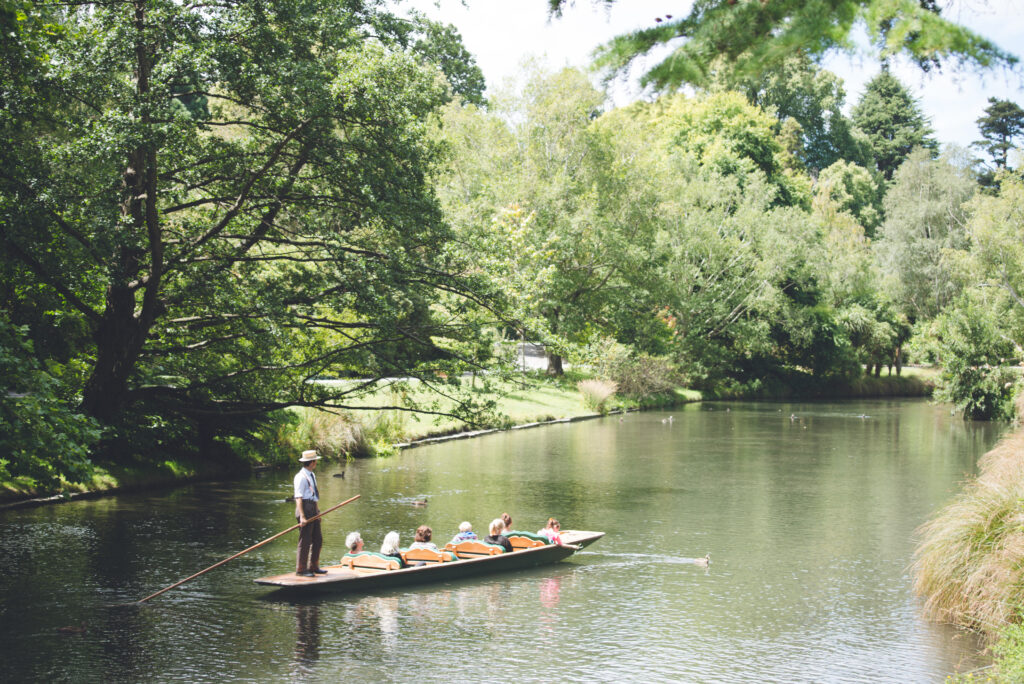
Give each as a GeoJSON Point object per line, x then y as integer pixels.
{"type": "Point", "coordinates": [809, 522]}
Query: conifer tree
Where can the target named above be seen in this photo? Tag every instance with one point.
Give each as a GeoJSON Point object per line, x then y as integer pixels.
{"type": "Point", "coordinates": [893, 122]}
{"type": "Point", "coordinates": [1002, 124]}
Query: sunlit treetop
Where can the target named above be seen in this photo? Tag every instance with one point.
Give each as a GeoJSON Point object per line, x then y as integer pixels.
{"type": "Point", "coordinates": [748, 36]}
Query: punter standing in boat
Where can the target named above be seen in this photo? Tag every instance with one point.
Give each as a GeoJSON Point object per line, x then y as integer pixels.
{"type": "Point", "coordinates": [307, 495]}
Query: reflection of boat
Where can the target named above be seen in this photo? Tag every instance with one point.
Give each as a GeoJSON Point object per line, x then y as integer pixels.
{"type": "Point", "coordinates": [364, 579]}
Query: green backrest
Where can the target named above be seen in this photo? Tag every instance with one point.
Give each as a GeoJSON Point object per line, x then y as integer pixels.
{"type": "Point", "coordinates": [528, 535]}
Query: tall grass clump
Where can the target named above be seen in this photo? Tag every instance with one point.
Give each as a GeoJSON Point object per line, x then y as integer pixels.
{"type": "Point", "coordinates": [348, 435]}
{"type": "Point", "coordinates": [970, 562]}
{"type": "Point", "coordinates": [596, 394]}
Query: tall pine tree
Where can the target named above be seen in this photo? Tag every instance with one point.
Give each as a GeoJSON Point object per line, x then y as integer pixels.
{"type": "Point", "coordinates": [1002, 124]}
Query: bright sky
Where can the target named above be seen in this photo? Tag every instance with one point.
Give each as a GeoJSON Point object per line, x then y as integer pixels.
{"type": "Point", "coordinates": [502, 34]}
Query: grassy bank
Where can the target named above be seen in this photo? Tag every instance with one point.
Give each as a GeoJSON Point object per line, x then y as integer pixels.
{"type": "Point", "coordinates": [970, 563]}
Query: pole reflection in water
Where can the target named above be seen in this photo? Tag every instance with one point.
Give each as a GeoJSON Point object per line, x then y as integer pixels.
{"type": "Point", "coordinates": [307, 638]}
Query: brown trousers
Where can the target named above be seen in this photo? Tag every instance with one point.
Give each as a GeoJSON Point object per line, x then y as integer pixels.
{"type": "Point", "coordinates": [310, 539]}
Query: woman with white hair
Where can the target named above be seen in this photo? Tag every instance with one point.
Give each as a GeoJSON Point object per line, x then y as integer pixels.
{"type": "Point", "coordinates": [390, 547]}
{"type": "Point", "coordinates": [354, 542]}
{"type": "Point", "coordinates": [496, 536]}
{"type": "Point", "coordinates": [466, 533]}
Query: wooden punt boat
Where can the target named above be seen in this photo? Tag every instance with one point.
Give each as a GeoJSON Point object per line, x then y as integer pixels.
{"type": "Point", "coordinates": [376, 575]}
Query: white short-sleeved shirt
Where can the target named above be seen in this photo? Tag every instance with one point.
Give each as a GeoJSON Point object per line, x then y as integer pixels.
{"type": "Point", "coordinates": [305, 485]}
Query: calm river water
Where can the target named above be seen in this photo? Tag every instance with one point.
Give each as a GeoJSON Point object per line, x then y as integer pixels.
{"type": "Point", "coordinates": [808, 512]}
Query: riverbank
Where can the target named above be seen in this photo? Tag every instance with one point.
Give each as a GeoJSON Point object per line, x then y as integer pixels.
{"type": "Point", "coordinates": [533, 400]}
{"type": "Point", "coordinates": [970, 562]}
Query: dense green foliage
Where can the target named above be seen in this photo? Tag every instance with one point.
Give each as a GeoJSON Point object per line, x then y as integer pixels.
{"type": "Point", "coordinates": [202, 208]}
{"type": "Point", "coordinates": [892, 121]}
{"type": "Point", "coordinates": [925, 217]}
{"type": "Point", "coordinates": [682, 229]}
{"type": "Point", "coordinates": [41, 440]}
{"type": "Point", "coordinates": [749, 37]}
{"type": "Point", "coordinates": [808, 102]}
{"type": "Point", "coordinates": [1001, 127]}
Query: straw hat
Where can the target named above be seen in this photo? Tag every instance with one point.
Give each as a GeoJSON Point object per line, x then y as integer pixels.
{"type": "Point", "coordinates": [308, 456]}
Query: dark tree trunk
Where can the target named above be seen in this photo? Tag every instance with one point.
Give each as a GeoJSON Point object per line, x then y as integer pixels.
{"type": "Point", "coordinates": [554, 364]}
{"type": "Point", "coordinates": [118, 341]}
{"type": "Point", "coordinates": [121, 332]}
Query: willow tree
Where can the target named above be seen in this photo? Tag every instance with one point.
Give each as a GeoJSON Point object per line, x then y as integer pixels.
{"type": "Point", "coordinates": [229, 198]}
{"type": "Point", "coordinates": [550, 209]}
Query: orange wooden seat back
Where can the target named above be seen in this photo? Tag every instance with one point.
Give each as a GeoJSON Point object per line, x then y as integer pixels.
{"type": "Point", "coordinates": [426, 556]}
{"type": "Point", "coordinates": [474, 549]}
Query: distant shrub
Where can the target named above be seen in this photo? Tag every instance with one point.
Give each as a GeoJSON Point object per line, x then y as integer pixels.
{"type": "Point", "coordinates": [641, 375]}
{"type": "Point", "coordinates": [596, 393]}
{"type": "Point", "coordinates": [975, 377]}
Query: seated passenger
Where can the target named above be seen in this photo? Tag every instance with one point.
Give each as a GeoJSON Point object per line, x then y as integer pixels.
{"type": "Point", "coordinates": [552, 531]}
{"type": "Point", "coordinates": [496, 536]}
{"type": "Point", "coordinates": [507, 519]}
{"type": "Point", "coordinates": [423, 535]}
{"type": "Point", "coordinates": [390, 547]}
{"type": "Point", "coordinates": [466, 533]}
{"type": "Point", "coordinates": [353, 542]}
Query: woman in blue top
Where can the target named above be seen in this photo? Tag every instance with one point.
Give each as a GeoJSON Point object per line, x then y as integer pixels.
{"type": "Point", "coordinates": [466, 533]}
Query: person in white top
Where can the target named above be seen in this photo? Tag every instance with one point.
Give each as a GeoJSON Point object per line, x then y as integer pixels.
{"type": "Point", "coordinates": [422, 540]}
{"type": "Point", "coordinates": [307, 563]}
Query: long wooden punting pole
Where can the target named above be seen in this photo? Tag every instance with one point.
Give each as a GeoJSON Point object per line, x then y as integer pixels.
{"type": "Point", "coordinates": [254, 546]}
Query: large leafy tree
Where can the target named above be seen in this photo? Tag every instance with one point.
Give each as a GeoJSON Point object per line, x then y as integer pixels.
{"type": "Point", "coordinates": [550, 208]}
{"type": "Point", "coordinates": [854, 190]}
{"type": "Point", "coordinates": [893, 122]}
{"type": "Point", "coordinates": [925, 217]}
{"type": "Point", "coordinates": [751, 36]}
{"type": "Point", "coordinates": [726, 135]}
{"type": "Point", "coordinates": [441, 45]}
{"type": "Point", "coordinates": [731, 260]}
{"type": "Point", "coordinates": [798, 92]}
{"type": "Point", "coordinates": [977, 337]}
{"type": "Point", "coordinates": [228, 199]}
